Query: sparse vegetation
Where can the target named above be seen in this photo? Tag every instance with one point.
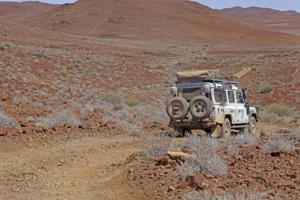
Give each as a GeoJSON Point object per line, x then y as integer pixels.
{"type": "Point", "coordinates": [77, 61]}
{"type": "Point", "coordinates": [206, 158]}
{"type": "Point", "coordinates": [63, 73]}
{"type": "Point", "coordinates": [7, 45]}
{"type": "Point", "coordinates": [277, 142]}
{"type": "Point", "coordinates": [265, 88]}
{"type": "Point", "coordinates": [59, 118]}
{"type": "Point", "coordinates": [111, 98]}
{"type": "Point", "coordinates": [160, 67]}
{"type": "Point", "coordinates": [2, 47]}
{"type": "Point", "coordinates": [8, 57]}
{"type": "Point", "coordinates": [238, 195]}
{"type": "Point", "coordinates": [280, 110]}
{"type": "Point", "coordinates": [7, 121]}
{"type": "Point", "coordinates": [156, 145]}
{"type": "Point", "coordinates": [39, 55]}
{"type": "Point", "coordinates": [93, 74]}
{"type": "Point", "coordinates": [5, 34]}
{"type": "Point", "coordinates": [97, 62]}
{"type": "Point", "coordinates": [131, 102]}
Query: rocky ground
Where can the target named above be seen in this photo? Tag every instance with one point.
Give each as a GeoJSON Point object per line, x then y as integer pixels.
{"type": "Point", "coordinates": [76, 115]}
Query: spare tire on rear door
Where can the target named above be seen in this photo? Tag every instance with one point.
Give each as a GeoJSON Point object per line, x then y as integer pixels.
{"type": "Point", "coordinates": [200, 107]}
{"type": "Point", "coordinates": [177, 108]}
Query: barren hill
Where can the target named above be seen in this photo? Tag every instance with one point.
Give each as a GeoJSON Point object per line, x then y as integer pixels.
{"type": "Point", "coordinates": [16, 12]}
{"type": "Point", "coordinates": [154, 19]}
{"type": "Point", "coordinates": [282, 21]}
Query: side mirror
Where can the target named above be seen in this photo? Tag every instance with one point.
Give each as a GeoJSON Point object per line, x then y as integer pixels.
{"type": "Point", "coordinates": [246, 100]}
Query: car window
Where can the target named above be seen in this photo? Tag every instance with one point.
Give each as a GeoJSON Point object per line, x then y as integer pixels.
{"type": "Point", "coordinates": [218, 96]}
{"type": "Point", "coordinates": [239, 97]}
{"type": "Point", "coordinates": [230, 97]}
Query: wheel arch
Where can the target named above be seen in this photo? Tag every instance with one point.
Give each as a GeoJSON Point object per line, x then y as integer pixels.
{"type": "Point", "coordinates": [228, 117]}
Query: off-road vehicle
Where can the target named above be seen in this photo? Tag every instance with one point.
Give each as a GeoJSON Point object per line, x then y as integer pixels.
{"type": "Point", "coordinates": [210, 101]}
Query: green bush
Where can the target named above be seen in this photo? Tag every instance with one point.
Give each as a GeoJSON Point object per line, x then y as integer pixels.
{"type": "Point", "coordinates": [98, 62]}
{"type": "Point", "coordinates": [77, 61]}
{"type": "Point", "coordinates": [281, 110]}
{"type": "Point", "coordinates": [39, 55]}
{"type": "Point", "coordinates": [161, 67]}
{"type": "Point", "coordinates": [111, 98]}
{"type": "Point", "coordinates": [2, 47]}
{"type": "Point", "coordinates": [63, 73]}
{"type": "Point", "coordinates": [265, 88]}
{"type": "Point", "coordinates": [93, 74]}
{"type": "Point", "coordinates": [131, 102]}
{"type": "Point", "coordinates": [5, 34]}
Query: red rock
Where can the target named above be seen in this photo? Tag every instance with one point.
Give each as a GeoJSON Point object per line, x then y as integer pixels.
{"type": "Point", "coordinates": [3, 132]}
{"type": "Point", "coordinates": [181, 185]}
{"type": "Point", "coordinates": [172, 163]}
{"type": "Point", "coordinates": [285, 182]}
{"type": "Point", "coordinates": [275, 154]}
{"type": "Point", "coordinates": [195, 180]}
{"type": "Point", "coordinates": [162, 160]}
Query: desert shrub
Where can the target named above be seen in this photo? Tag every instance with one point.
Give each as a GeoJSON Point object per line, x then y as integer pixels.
{"type": "Point", "coordinates": [63, 73]}
{"type": "Point", "coordinates": [131, 102]}
{"type": "Point", "coordinates": [156, 145]}
{"type": "Point", "coordinates": [265, 88]}
{"type": "Point", "coordinates": [39, 55]}
{"type": "Point", "coordinates": [2, 47]}
{"type": "Point", "coordinates": [93, 74]}
{"type": "Point", "coordinates": [254, 68]}
{"type": "Point", "coordinates": [239, 195]}
{"type": "Point", "coordinates": [280, 110]}
{"type": "Point", "coordinates": [77, 61]}
{"type": "Point", "coordinates": [7, 45]}
{"type": "Point", "coordinates": [205, 158]}
{"type": "Point", "coordinates": [7, 121]}
{"type": "Point", "coordinates": [277, 142]}
{"type": "Point", "coordinates": [5, 34]}
{"type": "Point", "coordinates": [111, 98]}
{"type": "Point", "coordinates": [8, 57]}
{"type": "Point", "coordinates": [97, 62]}
{"type": "Point", "coordinates": [246, 138]}
{"type": "Point", "coordinates": [295, 133]}
{"type": "Point", "coordinates": [59, 118]}
{"type": "Point", "coordinates": [160, 67]}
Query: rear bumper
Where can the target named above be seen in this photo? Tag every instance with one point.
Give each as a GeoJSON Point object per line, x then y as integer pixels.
{"type": "Point", "coordinates": [203, 124]}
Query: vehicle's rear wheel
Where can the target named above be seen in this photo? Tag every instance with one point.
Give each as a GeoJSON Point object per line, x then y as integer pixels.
{"type": "Point", "coordinates": [200, 107]}
{"type": "Point", "coordinates": [252, 125]}
{"type": "Point", "coordinates": [177, 108]}
{"type": "Point", "coordinates": [226, 128]}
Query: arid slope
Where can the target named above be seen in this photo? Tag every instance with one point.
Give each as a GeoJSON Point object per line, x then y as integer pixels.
{"type": "Point", "coordinates": [282, 21]}
{"type": "Point", "coordinates": [16, 12]}
{"type": "Point", "coordinates": [154, 19]}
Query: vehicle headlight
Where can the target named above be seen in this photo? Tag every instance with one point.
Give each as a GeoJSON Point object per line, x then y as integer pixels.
{"type": "Point", "coordinates": [173, 91]}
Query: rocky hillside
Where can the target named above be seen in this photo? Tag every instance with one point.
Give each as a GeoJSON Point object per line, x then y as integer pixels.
{"type": "Point", "coordinates": [282, 21]}
{"type": "Point", "coordinates": [154, 19]}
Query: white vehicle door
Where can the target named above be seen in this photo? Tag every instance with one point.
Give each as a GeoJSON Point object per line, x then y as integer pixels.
{"type": "Point", "coordinates": [231, 107]}
{"type": "Point", "coordinates": [219, 99]}
{"type": "Point", "coordinates": [241, 108]}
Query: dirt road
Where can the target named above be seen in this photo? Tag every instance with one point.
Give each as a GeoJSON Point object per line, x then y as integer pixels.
{"type": "Point", "coordinates": [74, 166]}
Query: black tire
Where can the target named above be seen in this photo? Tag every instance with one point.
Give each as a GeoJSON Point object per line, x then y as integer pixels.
{"type": "Point", "coordinates": [181, 104]}
{"type": "Point", "coordinates": [226, 128]}
{"type": "Point", "coordinates": [200, 107]}
{"type": "Point", "coordinates": [252, 125]}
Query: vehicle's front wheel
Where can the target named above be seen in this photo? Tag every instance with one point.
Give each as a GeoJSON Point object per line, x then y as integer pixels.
{"type": "Point", "coordinates": [252, 125]}
{"type": "Point", "coordinates": [226, 128]}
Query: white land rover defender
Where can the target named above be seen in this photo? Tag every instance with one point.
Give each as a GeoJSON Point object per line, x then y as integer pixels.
{"type": "Point", "coordinates": [207, 100]}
